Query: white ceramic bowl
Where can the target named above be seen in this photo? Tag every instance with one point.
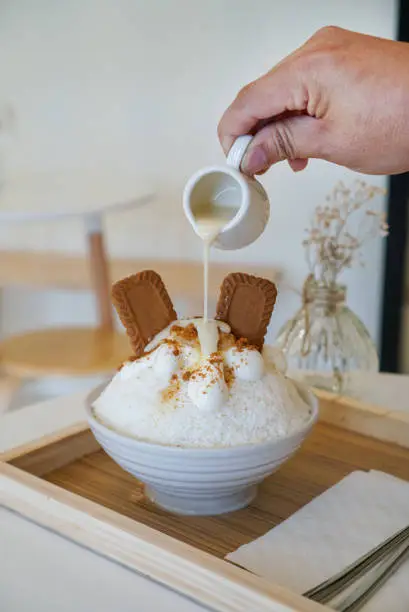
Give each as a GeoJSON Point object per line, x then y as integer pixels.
{"type": "Point", "coordinates": [200, 481]}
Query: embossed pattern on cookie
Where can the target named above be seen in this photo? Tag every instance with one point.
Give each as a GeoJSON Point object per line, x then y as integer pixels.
{"type": "Point", "coordinates": [246, 303]}
{"type": "Point", "coordinates": [144, 307]}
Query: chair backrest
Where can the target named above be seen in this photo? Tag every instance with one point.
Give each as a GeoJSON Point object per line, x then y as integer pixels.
{"type": "Point", "coordinates": [184, 279]}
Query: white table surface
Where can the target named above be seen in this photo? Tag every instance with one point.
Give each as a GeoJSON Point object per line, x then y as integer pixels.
{"type": "Point", "coordinates": [41, 571]}
{"type": "Point", "coordinates": [52, 195]}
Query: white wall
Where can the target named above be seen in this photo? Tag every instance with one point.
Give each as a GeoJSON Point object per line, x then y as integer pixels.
{"type": "Point", "coordinates": [142, 84]}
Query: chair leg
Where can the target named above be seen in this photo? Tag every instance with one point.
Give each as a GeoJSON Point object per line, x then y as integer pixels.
{"type": "Point", "coordinates": [99, 270]}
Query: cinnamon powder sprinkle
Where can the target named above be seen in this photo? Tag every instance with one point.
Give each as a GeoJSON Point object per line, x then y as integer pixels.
{"type": "Point", "coordinates": [215, 358]}
{"type": "Point", "coordinates": [188, 333]}
{"type": "Point", "coordinates": [173, 388]}
{"type": "Point", "coordinates": [198, 373]}
{"type": "Point", "coordinates": [243, 343]}
{"type": "Point", "coordinates": [226, 341]}
{"type": "Point", "coordinates": [229, 376]}
{"type": "Point", "coordinates": [174, 345]}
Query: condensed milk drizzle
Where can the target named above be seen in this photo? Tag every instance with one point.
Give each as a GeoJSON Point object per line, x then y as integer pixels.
{"type": "Point", "coordinates": [210, 220]}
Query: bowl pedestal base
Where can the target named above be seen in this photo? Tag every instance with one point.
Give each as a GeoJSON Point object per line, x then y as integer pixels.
{"type": "Point", "coordinates": [201, 504]}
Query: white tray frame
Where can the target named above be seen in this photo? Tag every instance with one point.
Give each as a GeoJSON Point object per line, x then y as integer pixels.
{"type": "Point", "coordinates": [215, 583]}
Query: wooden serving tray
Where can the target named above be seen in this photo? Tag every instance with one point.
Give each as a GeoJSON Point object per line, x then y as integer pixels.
{"type": "Point", "coordinates": [67, 483]}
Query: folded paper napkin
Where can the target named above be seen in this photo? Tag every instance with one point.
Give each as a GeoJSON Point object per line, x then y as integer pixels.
{"type": "Point", "coordinates": [330, 533]}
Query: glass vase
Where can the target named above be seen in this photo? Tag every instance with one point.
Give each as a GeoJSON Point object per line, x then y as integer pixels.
{"type": "Point", "coordinates": [326, 345]}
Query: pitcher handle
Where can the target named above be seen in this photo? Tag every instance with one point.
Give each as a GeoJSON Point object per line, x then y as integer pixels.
{"type": "Point", "coordinates": [237, 151]}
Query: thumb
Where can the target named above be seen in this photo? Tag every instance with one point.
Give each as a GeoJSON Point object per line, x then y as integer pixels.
{"type": "Point", "coordinates": [293, 138]}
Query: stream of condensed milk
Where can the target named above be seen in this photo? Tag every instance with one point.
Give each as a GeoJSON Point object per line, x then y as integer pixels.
{"type": "Point", "coordinates": [210, 220]}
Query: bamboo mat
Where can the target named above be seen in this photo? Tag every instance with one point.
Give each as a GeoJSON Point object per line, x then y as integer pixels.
{"type": "Point", "coordinates": [328, 455]}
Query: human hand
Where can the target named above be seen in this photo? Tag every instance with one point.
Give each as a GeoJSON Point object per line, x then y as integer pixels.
{"type": "Point", "coordinates": [342, 97]}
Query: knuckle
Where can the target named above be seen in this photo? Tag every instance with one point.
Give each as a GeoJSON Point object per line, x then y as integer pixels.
{"type": "Point", "coordinates": [244, 93]}
{"type": "Point", "coordinates": [323, 50]}
{"type": "Point", "coordinates": [318, 59]}
{"type": "Point", "coordinates": [327, 32]}
{"type": "Point", "coordinates": [282, 141]}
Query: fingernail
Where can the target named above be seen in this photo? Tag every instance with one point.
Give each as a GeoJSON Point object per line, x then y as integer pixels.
{"type": "Point", "coordinates": [226, 143]}
{"type": "Point", "coordinates": [255, 160]}
{"type": "Point", "coordinates": [297, 165]}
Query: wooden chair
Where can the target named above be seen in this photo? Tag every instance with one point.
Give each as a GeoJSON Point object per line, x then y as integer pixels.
{"type": "Point", "coordinates": [68, 351]}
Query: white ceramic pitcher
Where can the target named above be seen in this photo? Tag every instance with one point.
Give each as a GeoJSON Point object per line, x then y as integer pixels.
{"type": "Point", "coordinates": [227, 186]}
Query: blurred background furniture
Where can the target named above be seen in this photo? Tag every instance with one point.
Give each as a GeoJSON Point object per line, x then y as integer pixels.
{"type": "Point", "coordinates": [116, 93]}
{"type": "Point", "coordinates": [81, 351]}
{"type": "Point", "coordinates": [47, 270]}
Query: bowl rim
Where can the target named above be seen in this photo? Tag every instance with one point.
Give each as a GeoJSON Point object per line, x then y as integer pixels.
{"type": "Point", "coordinates": [122, 438]}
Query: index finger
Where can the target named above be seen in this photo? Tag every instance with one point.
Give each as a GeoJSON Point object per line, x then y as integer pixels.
{"type": "Point", "coordinates": [270, 96]}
